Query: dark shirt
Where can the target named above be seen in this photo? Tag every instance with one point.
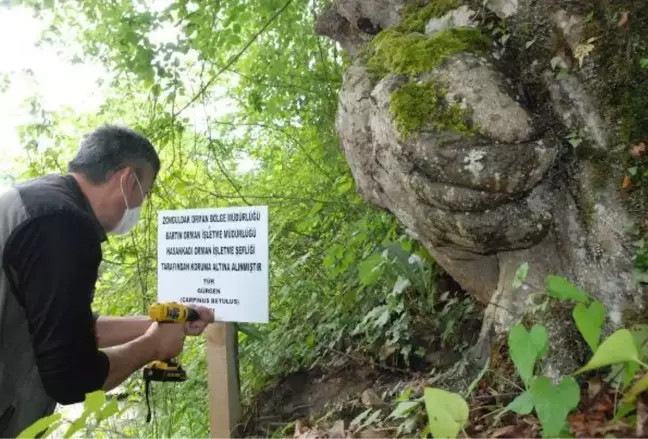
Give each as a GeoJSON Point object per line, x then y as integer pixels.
{"type": "Point", "coordinates": [56, 259]}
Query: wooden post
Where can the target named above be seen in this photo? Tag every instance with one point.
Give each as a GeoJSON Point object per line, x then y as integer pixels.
{"type": "Point", "coordinates": [223, 380]}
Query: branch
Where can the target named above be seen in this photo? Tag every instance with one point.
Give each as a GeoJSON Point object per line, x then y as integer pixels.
{"type": "Point", "coordinates": [234, 59]}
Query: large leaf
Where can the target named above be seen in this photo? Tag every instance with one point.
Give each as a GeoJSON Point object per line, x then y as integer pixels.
{"type": "Point", "coordinates": [522, 405]}
{"type": "Point", "coordinates": [447, 412]}
{"type": "Point", "coordinates": [553, 403]}
{"type": "Point", "coordinates": [589, 320]}
{"type": "Point", "coordinates": [527, 347]}
{"type": "Point", "coordinates": [370, 269]}
{"type": "Point", "coordinates": [622, 374]}
{"type": "Point", "coordinates": [561, 288]}
{"type": "Point", "coordinates": [617, 348]}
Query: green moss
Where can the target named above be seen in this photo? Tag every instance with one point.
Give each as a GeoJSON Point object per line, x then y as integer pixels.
{"type": "Point", "coordinates": [415, 106]}
{"type": "Point", "coordinates": [415, 16]}
{"type": "Point", "coordinates": [412, 54]}
{"type": "Point", "coordinates": [403, 50]}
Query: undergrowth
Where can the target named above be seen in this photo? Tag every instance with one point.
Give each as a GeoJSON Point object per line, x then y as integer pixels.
{"type": "Point", "coordinates": [556, 403]}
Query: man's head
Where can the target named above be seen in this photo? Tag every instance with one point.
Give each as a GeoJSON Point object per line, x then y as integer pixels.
{"type": "Point", "coordinates": [116, 168]}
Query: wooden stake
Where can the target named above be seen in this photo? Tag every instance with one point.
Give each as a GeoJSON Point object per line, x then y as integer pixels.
{"type": "Point", "coordinates": [223, 380]}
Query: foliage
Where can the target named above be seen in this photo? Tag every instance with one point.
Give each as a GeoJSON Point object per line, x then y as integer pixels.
{"type": "Point", "coordinates": [554, 401]}
{"type": "Point", "coordinates": [96, 410]}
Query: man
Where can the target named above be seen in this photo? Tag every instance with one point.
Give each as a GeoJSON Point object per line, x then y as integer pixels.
{"type": "Point", "coordinates": [53, 348]}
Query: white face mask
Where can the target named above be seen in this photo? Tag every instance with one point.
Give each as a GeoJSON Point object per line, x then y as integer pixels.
{"type": "Point", "coordinates": [131, 216]}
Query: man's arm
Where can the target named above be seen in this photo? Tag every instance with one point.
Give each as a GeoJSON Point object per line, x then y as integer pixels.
{"type": "Point", "coordinates": [113, 331]}
{"type": "Point", "coordinates": [56, 260]}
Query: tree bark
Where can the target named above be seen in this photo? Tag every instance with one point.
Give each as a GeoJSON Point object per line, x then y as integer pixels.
{"type": "Point", "coordinates": [513, 192]}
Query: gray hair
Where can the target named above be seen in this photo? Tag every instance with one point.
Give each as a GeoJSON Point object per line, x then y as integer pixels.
{"type": "Point", "coordinates": [110, 148]}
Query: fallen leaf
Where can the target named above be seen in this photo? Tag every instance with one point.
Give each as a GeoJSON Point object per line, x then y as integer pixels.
{"type": "Point", "coordinates": [624, 19]}
{"type": "Point", "coordinates": [302, 431]}
{"type": "Point", "coordinates": [370, 399]}
{"type": "Point", "coordinates": [627, 182]}
{"type": "Point", "coordinates": [502, 431]}
{"type": "Point", "coordinates": [374, 433]}
{"type": "Point", "coordinates": [594, 386]}
{"type": "Point", "coordinates": [638, 150]}
{"type": "Point", "coordinates": [337, 430]}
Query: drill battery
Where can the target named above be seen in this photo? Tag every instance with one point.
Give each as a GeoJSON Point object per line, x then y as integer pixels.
{"type": "Point", "coordinates": [170, 369]}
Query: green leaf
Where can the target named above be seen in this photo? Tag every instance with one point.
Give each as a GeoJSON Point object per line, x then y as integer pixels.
{"type": "Point", "coordinates": [370, 420]}
{"type": "Point", "coordinates": [39, 426]}
{"type": "Point", "coordinates": [249, 330]}
{"type": "Point", "coordinates": [400, 285]}
{"type": "Point", "coordinates": [94, 401]}
{"type": "Point", "coordinates": [358, 419]}
{"type": "Point", "coordinates": [617, 348]}
{"type": "Point", "coordinates": [77, 425]}
{"type": "Point", "coordinates": [624, 409]}
{"type": "Point", "coordinates": [526, 348]}
{"type": "Point", "coordinates": [522, 405]}
{"type": "Point", "coordinates": [589, 320]}
{"type": "Point", "coordinates": [108, 410]}
{"type": "Point", "coordinates": [447, 412]}
{"type": "Point", "coordinates": [622, 374]}
{"type": "Point", "coordinates": [403, 409]}
{"type": "Point", "coordinates": [520, 275]}
{"type": "Point", "coordinates": [561, 288]}
{"type": "Point", "coordinates": [553, 403]}
{"type": "Point", "coordinates": [639, 387]}
{"type": "Point", "coordinates": [370, 269]}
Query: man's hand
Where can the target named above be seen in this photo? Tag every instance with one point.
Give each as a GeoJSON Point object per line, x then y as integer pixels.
{"type": "Point", "coordinates": [167, 338]}
{"type": "Point", "coordinates": [198, 326]}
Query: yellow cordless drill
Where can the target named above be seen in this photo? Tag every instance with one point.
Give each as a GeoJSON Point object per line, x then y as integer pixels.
{"type": "Point", "coordinates": [170, 369]}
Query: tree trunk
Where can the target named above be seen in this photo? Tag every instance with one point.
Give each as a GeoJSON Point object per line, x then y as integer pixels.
{"type": "Point", "coordinates": [471, 146]}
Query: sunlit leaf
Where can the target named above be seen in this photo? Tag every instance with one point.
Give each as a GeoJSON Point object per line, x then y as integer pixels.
{"type": "Point", "coordinates": [527, 347]}
{"type": "Point", "coordinates": [617, 348]}
{"type": "Point", "coordinates": [562, 288]}
{"type": "Point", "coordinates": [447, 412]}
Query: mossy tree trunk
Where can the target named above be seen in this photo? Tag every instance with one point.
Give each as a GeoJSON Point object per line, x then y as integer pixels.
{"type": "Point", "coordinates": [493, 134]}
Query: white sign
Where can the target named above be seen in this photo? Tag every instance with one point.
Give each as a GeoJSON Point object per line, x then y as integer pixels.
{"type": "Point", "coordinates": [216, 258]}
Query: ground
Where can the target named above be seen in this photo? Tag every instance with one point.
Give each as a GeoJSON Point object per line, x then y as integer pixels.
{"type": "Point", "coordinates": [356, 400]}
